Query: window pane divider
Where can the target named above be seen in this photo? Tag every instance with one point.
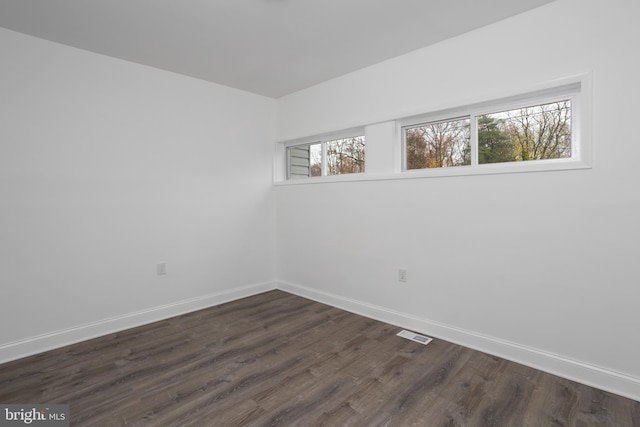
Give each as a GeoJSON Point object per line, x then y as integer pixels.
{"type": "Point", "coordinates": [473, 138]}
{"type": "Point", "coordinates": [323, 147]}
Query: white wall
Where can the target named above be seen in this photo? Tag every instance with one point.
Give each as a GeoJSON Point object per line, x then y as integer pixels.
{"type": "Point", "coordinates": [538, 267]}
{"type": "Point", "coordinates": [107, 168]}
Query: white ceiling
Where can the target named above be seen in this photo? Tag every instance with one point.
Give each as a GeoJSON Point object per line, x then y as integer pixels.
{"type": "Point", "coordinates": [269, 47]}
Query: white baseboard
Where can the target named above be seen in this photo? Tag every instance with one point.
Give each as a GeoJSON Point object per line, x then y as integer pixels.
{"type": "Point", "coordinates": [594, 376]}
{"type": "Point", "coordinates": [33, 345]}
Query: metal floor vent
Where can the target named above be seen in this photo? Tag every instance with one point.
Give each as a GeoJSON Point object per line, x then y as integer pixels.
{"type": "Point", "coordinates": [415, 337]}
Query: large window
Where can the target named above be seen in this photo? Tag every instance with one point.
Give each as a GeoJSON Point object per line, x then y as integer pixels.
{"type": "Point", "coordinates": [539, 128]}
{"type": "Point", "coordinates": [326, 157]}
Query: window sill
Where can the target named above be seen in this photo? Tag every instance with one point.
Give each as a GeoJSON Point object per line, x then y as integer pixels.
{"type": "Point", "coordinates": [491, 169]}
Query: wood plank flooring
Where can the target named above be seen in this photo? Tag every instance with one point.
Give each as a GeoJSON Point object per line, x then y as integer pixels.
{"type": "Point", "coordinates": [276, 359]}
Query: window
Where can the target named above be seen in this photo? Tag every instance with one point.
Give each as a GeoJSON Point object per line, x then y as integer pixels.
{"type": "Point", "coordinates": [326, 157]}
{"type": "Point", "coordinates": [534, 128]}
{"type": "Point", "coordinates": [530, 133]}
{"type": "Point", "coordinates": [544, 128]}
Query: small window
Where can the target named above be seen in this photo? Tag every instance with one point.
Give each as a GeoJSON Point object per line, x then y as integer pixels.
{"type": "Point", "coordinates": [326, 157]}
{"type": "Point", "coordinates": [536, 128]}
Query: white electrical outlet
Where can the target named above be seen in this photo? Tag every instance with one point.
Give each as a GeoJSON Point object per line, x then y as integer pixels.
{"type": "Point", "coordinates": [402, 275]}
{"type": "Point", "coordinates": [162, 268]}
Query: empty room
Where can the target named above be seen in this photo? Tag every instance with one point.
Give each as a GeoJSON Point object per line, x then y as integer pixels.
{"type": "Point", "coordinates": [319, 213]}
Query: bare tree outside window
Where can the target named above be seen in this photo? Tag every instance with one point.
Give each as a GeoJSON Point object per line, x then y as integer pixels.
{"type": "Point", "coordinates": [315, 160]}
{"type": "Point", "coordinates": [345, 156]}
{"type": "Point", "coordinates": [532, 133]}
{"type": "Point", "coordinates": [537, 132]}
{"type": "Point", "coordinates": [341, 156]}
{"type": "Point", "coordinates": [438, 145]}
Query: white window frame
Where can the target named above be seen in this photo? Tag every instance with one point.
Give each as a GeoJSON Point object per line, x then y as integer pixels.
{"type": "Point", "coordinates": [580, 154]}
{"type": "Point", "coordinates": [322, 140]}
{"type": "Point", "coordinates": [385, 150]}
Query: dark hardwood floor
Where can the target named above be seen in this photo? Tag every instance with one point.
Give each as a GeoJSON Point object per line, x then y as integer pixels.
{"type": "Point", "coordinates": [276, 359]}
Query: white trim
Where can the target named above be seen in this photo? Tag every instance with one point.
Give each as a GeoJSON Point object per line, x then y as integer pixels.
{"type": "Point", "coordinates": [323, 159]}
{"type": "Point", "coordinates": [329, 136]}
{"type": "Point", "coordinates": [38, 344]}
{"type": "Point", "coordinates": [282, 147]}
{"type": "Point", "coordinates": [473, 142]}
{"type": "Point", "coordinates": [488, 169]}
{"type": "Point", "coordinates": [591, 375]}
{"type": "Point", "coordinates": [570, 92]}
{"type": "Point", "coordinates": [594, 376]}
